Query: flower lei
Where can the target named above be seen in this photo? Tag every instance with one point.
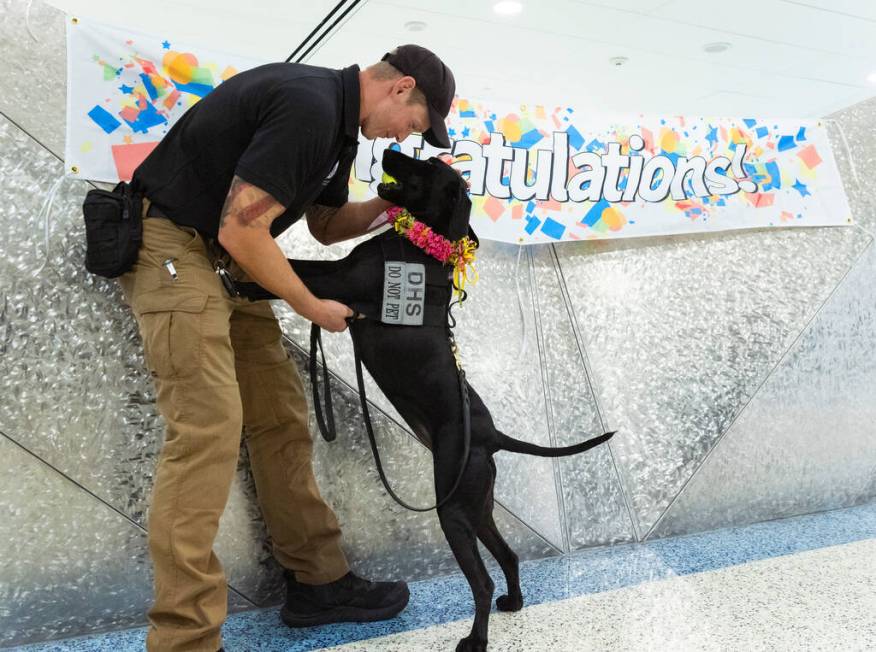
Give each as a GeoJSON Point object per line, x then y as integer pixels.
{"type": "Point", "coordinates": [459, 254]}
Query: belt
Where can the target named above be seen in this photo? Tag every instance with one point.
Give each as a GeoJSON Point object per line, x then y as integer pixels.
{"type": "Point", "coordinates": [215, 251]}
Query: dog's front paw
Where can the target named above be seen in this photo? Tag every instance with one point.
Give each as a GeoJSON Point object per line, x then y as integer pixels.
{"type": "Point", "coordinates": [472, 644]}
{"type": "Point", "coordinates": [509, 603]}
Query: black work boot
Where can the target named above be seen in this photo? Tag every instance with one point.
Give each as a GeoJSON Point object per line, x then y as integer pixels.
{"type": "Point", "coordinates": [349, 599]}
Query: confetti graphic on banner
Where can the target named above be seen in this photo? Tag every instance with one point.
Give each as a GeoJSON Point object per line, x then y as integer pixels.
{"type": "Point", "coordinates": [536, 174]}
{"type": "Point", "coordinates": [126, 90]}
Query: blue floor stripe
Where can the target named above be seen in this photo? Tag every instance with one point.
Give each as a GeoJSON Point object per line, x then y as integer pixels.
{"type": "Point", "coordinates": [446, 599]}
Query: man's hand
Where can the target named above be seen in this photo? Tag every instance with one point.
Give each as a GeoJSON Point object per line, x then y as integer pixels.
{"type": "Point", "coordinates": [334, 316]}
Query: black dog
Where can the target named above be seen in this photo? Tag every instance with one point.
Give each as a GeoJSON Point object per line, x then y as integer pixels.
{"type": "Point", "coordinates": [416, 369]}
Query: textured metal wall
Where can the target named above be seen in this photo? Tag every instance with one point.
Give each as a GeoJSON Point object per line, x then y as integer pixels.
{"type": "Point", "coordinates": [736, 367]}
{"type": "Point", "coordinates": [806, 442]}
{"type": "Point", "coordinates": [71, 562]}
{"type": "Point", "coordinates": [680, 332]}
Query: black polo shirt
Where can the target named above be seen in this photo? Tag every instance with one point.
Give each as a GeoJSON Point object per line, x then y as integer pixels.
{"type": "Point", "coordinates": [290, 129]}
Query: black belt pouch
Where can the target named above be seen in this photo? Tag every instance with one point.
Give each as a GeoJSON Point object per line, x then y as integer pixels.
{"type": "Point", "coordinates": [113, 229]}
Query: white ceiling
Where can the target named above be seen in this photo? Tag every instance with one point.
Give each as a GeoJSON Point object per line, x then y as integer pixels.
{"type": "Point", "coordinates": [789, 58]}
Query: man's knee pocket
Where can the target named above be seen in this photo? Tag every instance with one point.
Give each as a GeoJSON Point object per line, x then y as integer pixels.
{"type": "Point", "coordinates": [275, 395]}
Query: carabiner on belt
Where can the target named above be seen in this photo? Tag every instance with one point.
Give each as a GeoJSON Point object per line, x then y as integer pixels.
{"type": "Point", "coordinates": [227, 279]}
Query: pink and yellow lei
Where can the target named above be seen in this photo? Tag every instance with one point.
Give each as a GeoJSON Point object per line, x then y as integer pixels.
{"type": "Point", "coordinates": [459, 254]}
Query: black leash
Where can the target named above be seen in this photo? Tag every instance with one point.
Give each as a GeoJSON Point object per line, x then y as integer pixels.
{"type": "Point", "coordinates": [330, 434]}
{"type": "Point", "coordinates": [325, 422]}
{"type": "Point", "coordinates": [466, 426]}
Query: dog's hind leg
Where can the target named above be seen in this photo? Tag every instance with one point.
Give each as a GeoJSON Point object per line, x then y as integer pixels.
{"type": "Point", "coordinates": [507, 558]}
{"type": "Point", "coordinates": [459, 519]}
{"type": "Point", "coordinates": [489, 535]}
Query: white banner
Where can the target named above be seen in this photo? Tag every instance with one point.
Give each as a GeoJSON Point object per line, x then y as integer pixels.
{"type": "Point", "coordinates": [126, 89]}
{"type": "Point", "coordinates": [537, 174]}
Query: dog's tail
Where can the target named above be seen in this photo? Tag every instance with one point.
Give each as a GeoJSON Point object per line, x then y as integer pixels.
{"type": "Point", "coordinates": [507, 443]}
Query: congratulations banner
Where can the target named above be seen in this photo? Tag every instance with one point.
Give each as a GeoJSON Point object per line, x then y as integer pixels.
{"type": "Point", "coordinates": [539, 175]}
{"type": "Point", "coordinates": [536, 174]}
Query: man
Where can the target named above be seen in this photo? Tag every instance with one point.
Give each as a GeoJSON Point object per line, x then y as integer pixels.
{"type": "Point", "coordinates": [235, 171]}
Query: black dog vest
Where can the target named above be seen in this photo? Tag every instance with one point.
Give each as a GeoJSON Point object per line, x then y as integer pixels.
{"type": "Point", "coordinates": [415, 288]}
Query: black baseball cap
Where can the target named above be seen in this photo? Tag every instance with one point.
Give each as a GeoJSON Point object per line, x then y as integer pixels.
{"type": "Point", "coordinates": [436, 82]}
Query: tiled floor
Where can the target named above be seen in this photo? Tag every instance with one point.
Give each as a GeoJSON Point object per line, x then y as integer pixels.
{"type": "Point", "coordinates": [805, 583]}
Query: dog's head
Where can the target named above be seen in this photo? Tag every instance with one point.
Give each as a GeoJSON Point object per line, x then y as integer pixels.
{"type": "Point", "coordinates": [432, 191]}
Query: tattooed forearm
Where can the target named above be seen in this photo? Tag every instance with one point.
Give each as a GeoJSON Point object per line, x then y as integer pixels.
{"type": "Point", "coordinates": [318, 218]}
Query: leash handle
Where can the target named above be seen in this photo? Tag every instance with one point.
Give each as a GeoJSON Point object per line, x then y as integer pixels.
{"type": "Point", "coordinates": [326, 421]}
{"type": "Point", "coordinates": [466, 426]}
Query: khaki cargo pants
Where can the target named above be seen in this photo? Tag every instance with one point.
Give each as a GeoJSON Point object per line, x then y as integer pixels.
{"type": "Point", "coordinates": [219, 367]}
